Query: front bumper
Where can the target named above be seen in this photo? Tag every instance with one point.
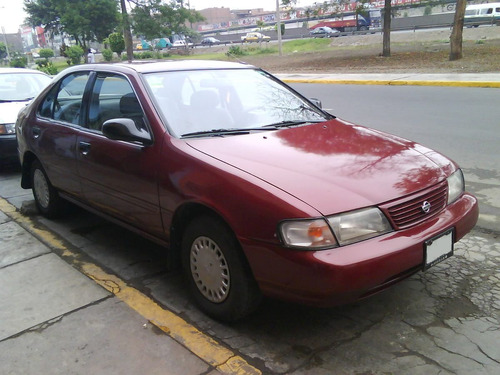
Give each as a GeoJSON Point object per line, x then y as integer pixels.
{"type": "Point", "coordinates": [349, 273]}
{"type": "Point", "coordinates": [8, 147]}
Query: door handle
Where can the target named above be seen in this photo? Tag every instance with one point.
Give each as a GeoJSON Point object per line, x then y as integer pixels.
{"type": "Point", "coordinates": [84, 148]}
{"type": "Point", "coordinates": [36, 132]}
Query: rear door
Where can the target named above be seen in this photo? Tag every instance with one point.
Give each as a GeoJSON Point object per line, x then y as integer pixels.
{"type": "Point", "coordinates": [119, 178]}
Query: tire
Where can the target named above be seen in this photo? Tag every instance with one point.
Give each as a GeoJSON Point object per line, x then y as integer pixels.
{"type": "Point", "coordinates": [219, 276]}
{"type": "Point", "coordinates": [47, 199]}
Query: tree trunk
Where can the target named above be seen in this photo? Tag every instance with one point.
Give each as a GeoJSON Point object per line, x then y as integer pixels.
{"type": "Point", "coordinates": [456, 34]}
{"type": "Point", "coordinates": [127, 35]}
{"type": "Point", "coordinates": [386, 46]}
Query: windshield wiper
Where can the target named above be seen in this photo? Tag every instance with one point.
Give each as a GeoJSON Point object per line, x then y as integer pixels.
{"type": "Point", "coordinates": [238, 131]}
{"type": "Point", "coordinates": [288, 123]}
{"type": "Point", "coordinates": [15, 100]}
{"type": "Point", "coordinates": [216, 132]}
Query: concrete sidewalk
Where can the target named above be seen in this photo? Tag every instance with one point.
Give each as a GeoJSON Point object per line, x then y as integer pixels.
{"type": "Point", "coordinates": [489, 80]}
{"type": "Point", "coordinates": [62, 314]}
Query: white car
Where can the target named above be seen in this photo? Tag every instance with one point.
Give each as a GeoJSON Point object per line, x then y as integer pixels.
{"type": "Point", "coordinates": [182, 43]}
{"type": "Point", "coordinates": [17, 87]}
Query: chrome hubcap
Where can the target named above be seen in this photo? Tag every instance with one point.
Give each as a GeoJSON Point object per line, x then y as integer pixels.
{"type": "Point", "coordinates": [41, 188]}
{"type": "Point", "coordinates": [209, 269]}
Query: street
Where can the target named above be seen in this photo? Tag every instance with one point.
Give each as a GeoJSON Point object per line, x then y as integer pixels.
{"type": "Point", "coordinates": [442, 321]}
{"type": "Point", "coordinates": [461, 123]}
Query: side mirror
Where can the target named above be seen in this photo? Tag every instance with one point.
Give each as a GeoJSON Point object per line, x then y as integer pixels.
{"type": "Point", "coordinates": [124, 129]}
{"type": "Point", "coordinates": [316, 102]}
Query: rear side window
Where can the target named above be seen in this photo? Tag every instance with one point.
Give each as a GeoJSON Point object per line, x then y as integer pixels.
{"type": "Point", "coordinates": [64, 102]}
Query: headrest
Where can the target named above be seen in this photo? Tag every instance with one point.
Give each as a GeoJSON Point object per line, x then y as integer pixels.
{"type": "Point", "coordinates": [129, 104]}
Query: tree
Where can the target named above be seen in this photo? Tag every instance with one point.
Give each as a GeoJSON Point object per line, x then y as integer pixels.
{"type": "Point", "coordinates": [127, 34]}
{"type": "Point", "coordinates": [153, 19]}
{"type": "Point", "coordinates": [386, 43]}
{"type": "Point", "coordinates": [456, 34]}
{"type": "Point", "coordinates": [85, 21]}
{"type": "Point", "coordinates": [3, 50]}
{"type": "Point", "coordinates": [116, 43]}
{"type": "Point", "coordinates": [44, 13]}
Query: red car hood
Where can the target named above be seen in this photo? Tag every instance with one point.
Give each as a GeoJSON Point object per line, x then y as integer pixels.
{"type": "Point", "coordinates": [333, 166]}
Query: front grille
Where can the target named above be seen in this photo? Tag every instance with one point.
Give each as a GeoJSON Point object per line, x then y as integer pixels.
{"type": "Point", "coordinates": [408, 212]}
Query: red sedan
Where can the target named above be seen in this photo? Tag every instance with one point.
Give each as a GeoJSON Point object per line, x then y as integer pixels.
{"type": "Point", "coordinates": [255, 188]}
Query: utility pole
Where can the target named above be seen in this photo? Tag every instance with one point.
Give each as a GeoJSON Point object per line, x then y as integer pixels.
{"type": "Point", "coordinates": [5, 40]}
{"type": "Point", "coordinates": [6, 45]}
{"type": "Point", "coordinates": [278, 26]}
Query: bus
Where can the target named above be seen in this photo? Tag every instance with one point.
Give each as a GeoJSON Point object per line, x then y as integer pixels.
{"type": "Point", "coordinates": [482, 14]}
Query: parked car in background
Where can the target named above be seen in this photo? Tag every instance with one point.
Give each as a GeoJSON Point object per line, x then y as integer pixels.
{"type": "Point", "coordinates": [324, 32]}
{"type": "Point", "coordinates": [210, 41]}
{"type": "Point", "coordinates": [255, 37]}
{"type": "Point", "coordinates": [256, 189]}
{"type": "Point", "coordinates": [181, 43]}
{"type": "Point", "coordinates": [17, 87]}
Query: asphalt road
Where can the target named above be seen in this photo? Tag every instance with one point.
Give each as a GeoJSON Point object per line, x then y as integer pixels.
{"type": "Point", "coordinates": [460, 122]}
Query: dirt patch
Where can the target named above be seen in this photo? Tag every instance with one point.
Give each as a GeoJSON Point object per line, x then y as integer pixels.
{"type": "Point", "coordinates": [420, 51]}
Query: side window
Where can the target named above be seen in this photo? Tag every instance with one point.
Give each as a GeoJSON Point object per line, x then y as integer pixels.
{"type": "Point", "coordinates": [64, 102]}
{"type": "Point", "coordinates": [113, 97]}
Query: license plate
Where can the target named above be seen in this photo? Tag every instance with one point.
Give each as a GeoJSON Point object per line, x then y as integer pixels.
{"type": "Point", "coordinates": [438, 249]}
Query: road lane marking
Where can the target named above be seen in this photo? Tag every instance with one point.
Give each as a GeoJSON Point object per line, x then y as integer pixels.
{"type": "Point", "coordinates": [200, 344]}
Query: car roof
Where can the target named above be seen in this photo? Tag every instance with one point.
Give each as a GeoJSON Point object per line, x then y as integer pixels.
{"type": "Point", "coordinates": [20, 70]}
{"type": "Point", "coordinates": [164, 66]}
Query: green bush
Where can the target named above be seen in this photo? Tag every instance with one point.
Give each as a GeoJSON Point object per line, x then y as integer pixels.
{"type": "Point", "coordinates": [46, 53]}
{"type": "Point", "coordinates": [116, 43]}
{"type": "Point", "coordinates": [18, 61]}
{"type": "Point", "coordinates": [143, 55]}
{"type": "Point", "coordinates": [46, 66]}
{"type": "Point", "coordinates": [235, 51]}
{"type": "Point", "coordinates": [74, 55]}
{"type": "Point", "coordinates": [107, 54]}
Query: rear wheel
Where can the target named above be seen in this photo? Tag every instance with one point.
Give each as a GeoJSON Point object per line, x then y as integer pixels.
{"type": "Point", "coordinates": [47, 199]}
{"type": "Point", "coordinates": [219, 277]}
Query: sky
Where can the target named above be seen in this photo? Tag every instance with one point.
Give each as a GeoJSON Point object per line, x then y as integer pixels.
{"type": "Point", "coordinates": [12, 14]}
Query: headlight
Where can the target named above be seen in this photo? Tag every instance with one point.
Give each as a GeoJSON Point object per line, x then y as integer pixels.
{"type": "Point", "coordinates": [456, 186]}
{"type": "Point", "coordinates": [307, 234]}
{"type": "Point", "coordinates": [7, 128]}
{"type": "Point", "coordinates": [359, 225]}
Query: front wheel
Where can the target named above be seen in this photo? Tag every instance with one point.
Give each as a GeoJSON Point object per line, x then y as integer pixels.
{"type": "Point", "coordinates": [219, 276]}
{"type": "Point", "coordinates": [47, 199]}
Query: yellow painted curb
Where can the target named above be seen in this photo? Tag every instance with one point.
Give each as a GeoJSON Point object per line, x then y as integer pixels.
{"type": "Point", "coordinates": [394, 82]}
{"type": "Point", "coordinates": [203, 346]}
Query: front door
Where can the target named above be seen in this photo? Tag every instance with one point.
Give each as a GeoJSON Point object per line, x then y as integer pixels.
{"type": "Point", "coordinates": [118, 177]}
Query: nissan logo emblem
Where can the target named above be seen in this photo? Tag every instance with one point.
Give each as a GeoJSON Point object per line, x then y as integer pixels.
{"type": "Point", "coordinates": [426, 207]}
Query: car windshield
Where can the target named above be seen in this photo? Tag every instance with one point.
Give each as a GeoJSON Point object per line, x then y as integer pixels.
{"type": "Point", "coordinates": [227, 102]}
{"type": "Point", "coordinates": [21, 86]}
